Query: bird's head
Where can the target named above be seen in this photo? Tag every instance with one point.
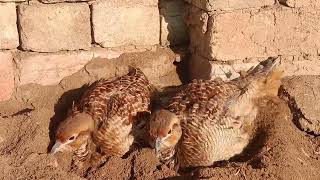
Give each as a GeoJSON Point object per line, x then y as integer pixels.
{"type": "Point", "coordinates": [73, 132]}
{"type": "Point", "coordinates": [165, 132]}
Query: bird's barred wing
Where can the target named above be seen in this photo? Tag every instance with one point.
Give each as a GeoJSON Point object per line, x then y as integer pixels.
{"type": "Point", "coordinates": [204, 100]}
{"type": "Point", "coordinates": [112, 132]}
{"type": "Point", "coordinates": [126, 106]}
{"type": "Point", "coordinates": [194, 92]}
{"type": "Point", "coordinates": [102, 90]}
{"type": "Point", "coordinates": [96, 98]}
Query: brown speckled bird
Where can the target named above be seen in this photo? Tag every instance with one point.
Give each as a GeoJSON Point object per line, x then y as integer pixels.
{"type": "Point", "coordinates": [211, 120]}
{"type": "Point", "coordinates": [106, 115]}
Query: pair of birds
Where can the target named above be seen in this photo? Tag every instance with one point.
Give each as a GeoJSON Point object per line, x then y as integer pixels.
{"type": "Point", "coordinates": [204, 122]}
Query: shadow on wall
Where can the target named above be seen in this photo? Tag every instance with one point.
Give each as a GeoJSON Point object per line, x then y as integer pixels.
{"type": "Point", "coordinates": [61, 109]}
{"type": "Point", "coordinates": [182, 65]}
{"type": "Point", "coordinates": [199, 67]}
{"type": "Point", "coordinates": [174, 33]}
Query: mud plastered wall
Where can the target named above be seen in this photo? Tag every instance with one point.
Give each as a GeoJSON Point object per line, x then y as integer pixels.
{"type": "Point", "coordinates": [234, 35]}
{"type": "Point", "coordinates": [44, 41]}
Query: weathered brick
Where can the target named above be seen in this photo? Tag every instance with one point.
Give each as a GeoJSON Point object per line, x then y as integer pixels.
{"type": "Point", "coordinates": [6, 76]}
{"type": "Point", "coordinates": [119, 24]}
{"type": "Point", "coordinates": [201, 68]}
{"type": "Point", "coordinates": [6, 1]}
{"type": "Point", "coordinates": [173, 28]}
{"type": "Point", "coordinates": [54, 27]}
{"type": "Point", "coordinates": [300, 3]}
{"type": "Point", "coordinates": [9, 37]}
{"type": "Point", "coordinates": [119, 2]}
{"type": "Point", "coordinates": [212, 5]}
{"type": "Point", "coordinates": [111, 53]}
{"type": "Point", "coordinates": [59, 1]}
{"type": "Point", "coordinates": [50, 69]}
{"type": "Point", "coordinates": [157, 66]}
{"type": "Point", "coordinates": [255, 33]}
{"type": "Point", "coordinates": [132, 3]}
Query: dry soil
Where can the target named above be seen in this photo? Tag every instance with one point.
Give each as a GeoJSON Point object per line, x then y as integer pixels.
{"type": "Point", "coordinates": [280, 150]}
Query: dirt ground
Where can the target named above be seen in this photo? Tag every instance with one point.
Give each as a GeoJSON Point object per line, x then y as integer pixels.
{"type": "Point", "coordinates": [280, 150]}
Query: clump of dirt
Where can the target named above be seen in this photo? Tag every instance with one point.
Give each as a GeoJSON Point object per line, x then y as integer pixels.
{"type": "Point", "coordinates": [141, 164]}
{"type": "Point", "coordinates": [280, 150]}
{"type": "Point", "coordinates": [302, 93]}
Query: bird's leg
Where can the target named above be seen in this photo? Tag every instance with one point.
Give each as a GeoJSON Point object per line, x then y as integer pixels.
{"type": "Point", "coordinates": [81, 156]}
{"type": "Point", "coordinates": [84, 151]}
{"type": "Point", "coordinates": [77, 164]}
{"type": "Point", "coordinates": [168, 157]}
{"type": "Point", "coordinates": [172, 164]}
{"type": "Point", "coordinates": [97, 160]}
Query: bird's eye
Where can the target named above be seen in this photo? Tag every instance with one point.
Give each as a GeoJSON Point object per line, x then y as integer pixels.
{"type": "Point", "coordinates": [169, 131]}
{"type": "Point", "coordinates": [71, 138]}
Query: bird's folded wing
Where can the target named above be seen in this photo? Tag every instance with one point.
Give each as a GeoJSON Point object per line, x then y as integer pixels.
{"type": "Point", "coordinates": [203, 100]}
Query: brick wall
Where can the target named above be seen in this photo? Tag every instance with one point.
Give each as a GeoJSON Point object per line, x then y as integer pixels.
{"type": "Point", "coordinates": [44, 41]}
{"type": "Point", "coordinates": [234, 35]}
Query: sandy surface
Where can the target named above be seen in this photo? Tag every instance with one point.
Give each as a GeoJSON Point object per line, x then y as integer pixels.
{"type": "Point", "coordinates": [280, 150]}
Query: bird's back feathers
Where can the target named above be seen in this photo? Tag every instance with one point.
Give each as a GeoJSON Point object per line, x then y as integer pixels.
{"type": "Point", "coordinates": [96, 99]}
{"type": "Point", "coordinates": [219, 113]}
{"type": "Point", "coordinates": [113, 104]}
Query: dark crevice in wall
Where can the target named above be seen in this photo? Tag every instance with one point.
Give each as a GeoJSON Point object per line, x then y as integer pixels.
{"type": "Point", "coordinates": [18, 27]}
{"type": "Point", "coordinates": [91, 26]}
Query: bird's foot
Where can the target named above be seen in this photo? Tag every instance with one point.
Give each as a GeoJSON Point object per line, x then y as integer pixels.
{"type": "Point", "coordinates": [78, 166]}
{"type": "Point", "coordinates": [81, 164]}
{"type": "Point", "coordinates": [98, 160]}
{"type": "Point", "coordinates": [172, 164]}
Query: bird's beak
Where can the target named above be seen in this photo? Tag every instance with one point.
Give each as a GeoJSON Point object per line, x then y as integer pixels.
{"type": "Point", "coordinates": [58, 146]}
{"type": "Point", "coordinates": [158, 145]}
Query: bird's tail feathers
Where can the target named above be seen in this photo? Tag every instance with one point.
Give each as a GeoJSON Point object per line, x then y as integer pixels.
{"type": "Point", "coordinates": [265, 67]}
{"type": "Point", "coordinates": [266, 76]}
{"type": "Point", "coordinates": [269, 76]}
{"type": "Point", "coordinates": [271, 83]}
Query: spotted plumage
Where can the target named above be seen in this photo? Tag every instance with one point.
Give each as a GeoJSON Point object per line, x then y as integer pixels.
{"type": "Point", "coordinates": [211, 120]}
{"type": "Point", "coordinates": [106, 115]}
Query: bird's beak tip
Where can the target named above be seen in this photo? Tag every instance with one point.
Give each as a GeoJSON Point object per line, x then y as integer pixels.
{"type": "Point", "coordinates": [157, 145]}
{"type": "Point", "coordinates": [56, 148]}
{"type": "Point", "coordinates": [53, 152]}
